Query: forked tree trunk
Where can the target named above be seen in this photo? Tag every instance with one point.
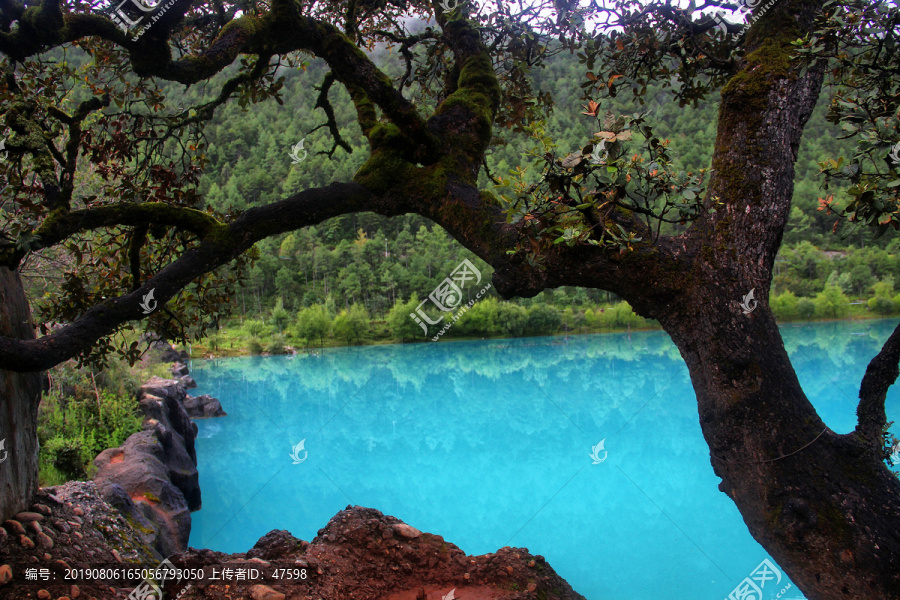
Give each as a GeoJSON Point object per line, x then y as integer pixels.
{"type": "Point", "coordinates": [19, 394]}
{"type": "Point", "coordinates": [823, 505]}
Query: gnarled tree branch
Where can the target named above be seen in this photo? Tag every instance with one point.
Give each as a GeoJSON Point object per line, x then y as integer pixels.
{"type": "Point", "coordinates": [880, 375]}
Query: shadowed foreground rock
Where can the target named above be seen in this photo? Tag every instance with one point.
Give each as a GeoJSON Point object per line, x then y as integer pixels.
{"type": "Point", "coordinates": [153, 476]}
{"type": "Point", "coordinates": [361, 554]}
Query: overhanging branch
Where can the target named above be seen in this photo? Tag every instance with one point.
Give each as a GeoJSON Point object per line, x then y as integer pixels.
{"type": "Point", "coordinates": [220, 246]}
{"type": "Point", "coordinates": [62, 224]}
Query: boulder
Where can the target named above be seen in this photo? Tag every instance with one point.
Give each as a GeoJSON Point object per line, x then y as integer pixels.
{"type": "Point", "coordinates": [164, 388]}
{"type": "Point", "coordinates": [203, 407]}
{"type": "Point", "coordinates": [164, 351]}
{"type": "Point", "coordinates": [116, 496]}
{"type": "Point", "coordinates": [188, 381]}
{"type": "Point", "coordinates": [179, 369]}
{"type": "Point", "coordinates": [152, 478]}
{"type": "Point", "coordinates": [141, 468]}
{"type": "Point", "coordinates": [277, 544]}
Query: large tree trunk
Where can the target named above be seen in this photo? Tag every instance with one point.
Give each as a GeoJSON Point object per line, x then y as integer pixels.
{"type": "Point", "coordinates": [20, 393]}
{"type": "Point", "coordinates": [824, 505]}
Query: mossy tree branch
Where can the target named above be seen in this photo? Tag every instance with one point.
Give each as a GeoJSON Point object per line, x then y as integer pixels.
{"type": "Point", "coordinates": [279, 31]}
{"type": "Point", "coordinates": [219, 245]}
{"type": "Point", "coordinates": [62, 224]}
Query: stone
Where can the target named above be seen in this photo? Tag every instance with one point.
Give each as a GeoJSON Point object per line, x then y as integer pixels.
{"type": "Point", "coordinates": [13, 527]}
{"type": "Point", "coordinates": [188, 382]}
{"type": "Point", "coordinates": [26, 542]}
{"type": "Point", "coordinates": [531, 587]}
{"type": "Point", "coordinates": [203, 407]}
{"type": "Point", "coordinates": [79, 512]}
{"type": "Point", "coordinates": [59, 566]}
{"type": "Point", "coordinates": [44, 540]}
{"type": "Point", "coordinates": [264, 592]}
{"type": "Point", "coordinates": [4, 537]}
{"type": "Point", "coordinates": [43, 595]}
{"type": "Point", "coordinates": [62, 526]}
{"type": "Point", "coordinates": [114, 495]}
{"type": "Point", "coordinates": [48, 557]}
{"type": "Point", "coordinates": [34, 526]}
{"type": "Point", "coordinates": [404, 530]}
{"type": "Point", "coordinates": [74, 591]}
{"type": "Point", "coordinates": [42, 509]}
{"type": "Point", "coordinates": [5, 574]}
{"type": "Point", "coordinates": [277, 544]}
{"type": "Point", "coordinates": [179, 369]}
{"type": "Point", "coordinates": [155, 474]}
{"type": "Point", "coordinates": [27, 517]}
{"type": "Point", "coordinates": [531, 563]}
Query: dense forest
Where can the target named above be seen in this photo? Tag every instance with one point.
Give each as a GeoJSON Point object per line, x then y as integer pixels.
{"type": "Point", "coordinates": [359, 276]}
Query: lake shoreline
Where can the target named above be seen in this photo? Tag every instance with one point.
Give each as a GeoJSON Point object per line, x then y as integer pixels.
{"type": "Point", "coordinates": [206, 353]}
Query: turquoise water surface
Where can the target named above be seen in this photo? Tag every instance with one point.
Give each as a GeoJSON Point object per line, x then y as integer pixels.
{"type": "Point", "coordinates": [489, 443]}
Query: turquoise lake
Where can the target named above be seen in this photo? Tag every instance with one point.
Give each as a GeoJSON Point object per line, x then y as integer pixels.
{"type": "Point", "coordinates": [488, 444]}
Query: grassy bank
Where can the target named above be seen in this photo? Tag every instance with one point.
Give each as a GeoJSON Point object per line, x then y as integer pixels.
{"type": "Point", "coordinates": [319, 326]}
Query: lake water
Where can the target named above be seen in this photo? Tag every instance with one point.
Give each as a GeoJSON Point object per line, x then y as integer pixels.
{"type": "Point", "coordinates": [488, 444]}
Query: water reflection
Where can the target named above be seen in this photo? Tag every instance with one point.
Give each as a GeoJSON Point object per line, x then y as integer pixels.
{"type": "Point", "coordinates": [488, 444]}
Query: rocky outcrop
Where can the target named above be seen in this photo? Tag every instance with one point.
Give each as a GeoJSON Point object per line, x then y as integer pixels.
{"type": "Point", "coordinates": [366, 555]}
{"type": "Point", "coordinates": [361, 554]}
{"type": "Point", "coordinates": [72, 524]}
{"type": "Point", "coordinates": [163, 351]}
{"type": "Point", "coordinates": [153, 476]}
{"type": "Point", "coordinates": [203, 407]}
{"type": "Point", "coordinates": [179, 369]}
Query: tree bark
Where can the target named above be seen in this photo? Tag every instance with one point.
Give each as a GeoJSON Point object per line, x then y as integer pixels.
{"type": "Point", "coordinates": [824, 505]}
{"type": "Point", "coordinates": [20, 393]}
